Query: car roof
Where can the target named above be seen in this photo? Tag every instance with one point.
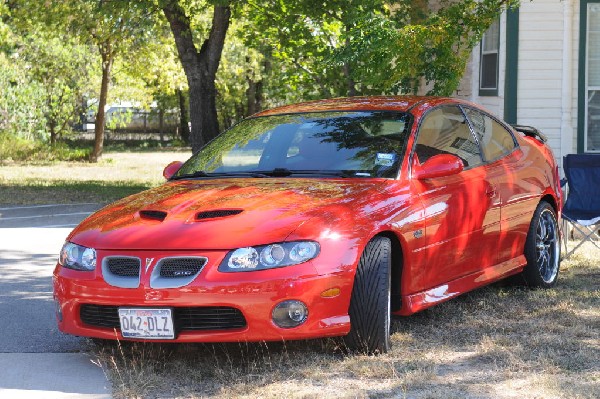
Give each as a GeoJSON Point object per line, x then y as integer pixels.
{"type": "Point", "coordinates": [366, 103]}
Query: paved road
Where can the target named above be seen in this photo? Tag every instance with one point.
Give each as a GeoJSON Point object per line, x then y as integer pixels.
{"type": "Point", "coordinates": [45, 216]}
{"type": "Point", "coordinates": [36, 360]}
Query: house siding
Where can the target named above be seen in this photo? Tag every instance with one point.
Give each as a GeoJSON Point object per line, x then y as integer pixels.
{"type": "Point", "coordinates": [540, 70]}
{"type": "Point", "coordinates": [547, 72]}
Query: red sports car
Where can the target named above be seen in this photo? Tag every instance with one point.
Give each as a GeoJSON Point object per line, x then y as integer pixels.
{"type": "Point", "coordinates": [315, 220]}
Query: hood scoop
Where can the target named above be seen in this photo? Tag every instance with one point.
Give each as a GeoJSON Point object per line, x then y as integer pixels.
{"type": "Point", "coordinates": [217, 213]}
{"type": "Point", "coordinates": [153, 215]}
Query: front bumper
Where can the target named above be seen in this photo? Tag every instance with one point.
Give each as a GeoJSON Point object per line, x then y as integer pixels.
{"type": "Point", "coordinates": [254, 294]}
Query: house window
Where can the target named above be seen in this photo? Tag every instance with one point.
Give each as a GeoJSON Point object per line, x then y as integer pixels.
{"type": "Point", "coordinates": [592, 89]}
{"type": "Point", "coordinates": [489, 61]}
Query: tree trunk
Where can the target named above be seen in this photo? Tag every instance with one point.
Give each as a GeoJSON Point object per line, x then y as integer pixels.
{"type": "Point", "coordinates": [200, 68]}
{"type": "Point", "coordinates": [183, 117]}
{"type": "Point", "coordinates": [350, 84]}
{"type": "Point", "coordinates": [107, 61]}
{"type": "Point", "coordinates": [251, 95]}
{"type": "Point", "coordinates": [161, 120]}
{"type": "Point", "coordinates": [203, 110]}
{"type": "Point", "coordinates": [52, 127]}
{"type": "Point", "coordinates": [49, 115]}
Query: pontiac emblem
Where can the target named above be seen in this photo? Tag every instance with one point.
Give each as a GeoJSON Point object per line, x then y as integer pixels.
{"type": "Point", "coordinates": [148, 263]}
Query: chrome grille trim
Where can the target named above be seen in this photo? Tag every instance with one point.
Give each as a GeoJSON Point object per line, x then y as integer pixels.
{"type": "Point", "coordinates": [176, 271]}
{"type": "Point", "coordinates": [120, 271]}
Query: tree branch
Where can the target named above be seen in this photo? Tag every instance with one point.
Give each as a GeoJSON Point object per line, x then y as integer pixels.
{"type": "Point", "coordinates": [182, 32]}
{"type": "Point", "coordinates": [213, 46]}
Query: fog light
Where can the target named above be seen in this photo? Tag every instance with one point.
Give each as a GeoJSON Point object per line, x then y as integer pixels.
{"type": "Point", "coordinates": [288, 314]}
{"type": "Point", "coordinates": [58, 310]}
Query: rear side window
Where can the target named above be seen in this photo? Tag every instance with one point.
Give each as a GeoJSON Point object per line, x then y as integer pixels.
{"type": "Point", "coordinates": [445, 131]}
{"type": "Point", "coordinates": [495, 140]}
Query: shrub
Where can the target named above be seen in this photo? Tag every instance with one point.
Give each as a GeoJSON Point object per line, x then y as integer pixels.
{"type": "Point", "coordinates": [17, 149]}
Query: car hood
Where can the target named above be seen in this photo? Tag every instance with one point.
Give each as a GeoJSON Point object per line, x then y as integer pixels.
{"type": "Point", "coordinates": [222, 214]}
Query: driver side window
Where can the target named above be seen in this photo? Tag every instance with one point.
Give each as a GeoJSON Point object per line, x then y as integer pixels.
{"type": "Point", "coordinates": [445, 131]}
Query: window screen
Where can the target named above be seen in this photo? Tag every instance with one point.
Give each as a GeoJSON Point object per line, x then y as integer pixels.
{"type": "Point", "coordinates": [488, 65]}
{"type": "Point", "coordinates": [592, 108]}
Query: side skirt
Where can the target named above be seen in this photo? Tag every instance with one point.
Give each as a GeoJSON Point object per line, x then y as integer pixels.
{"type": "Point", "coordinates": [422, 300]}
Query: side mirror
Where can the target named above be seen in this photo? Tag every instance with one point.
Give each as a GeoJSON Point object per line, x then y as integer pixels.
{"type": "Point", "coordinates": [171, 169]}
{"type": "Point", "coordinates": [440, 165]}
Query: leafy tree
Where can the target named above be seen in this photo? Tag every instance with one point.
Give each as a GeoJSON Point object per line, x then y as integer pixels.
{"type": "Point", "coordinates": [163, 75]}
{"type": "Point", "coordinates": [416, 46]}
{"type": "Point", "coordinates": [303, 35]}
{"type": "Point", "coordinates": [113, 27]}
{"type": "Point", "coordinates": [21, 108]}
{"type": "Point", "coordinates": [61, 68]}
{"type": "Point", "coordinates": [378, 47]}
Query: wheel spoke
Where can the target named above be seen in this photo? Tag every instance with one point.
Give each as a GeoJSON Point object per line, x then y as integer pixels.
{"type": "Point", "coordinates": [543, 232]}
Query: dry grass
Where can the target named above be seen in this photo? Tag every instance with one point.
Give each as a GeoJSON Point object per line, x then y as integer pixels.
{"type": "Point", "coordinates": [503, 341]}
{"type": "Point", "coordinates": [115, 176]}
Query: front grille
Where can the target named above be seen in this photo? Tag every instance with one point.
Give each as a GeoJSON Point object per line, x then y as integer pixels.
{"type": "Point", "coordinates": [181, 267]}
{"type": "Point", "coordinates": [100, 316]}
{"type": "Point", "coordinates": [185, 319]}
{"type": "Point", "coordinates": [219, 213]}
{"type": "Point", "coordinates": [209, 318]}
{"type": "Point", "coordinates": [124, 267]}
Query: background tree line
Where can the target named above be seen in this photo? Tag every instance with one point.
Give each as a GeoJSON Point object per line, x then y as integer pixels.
{"type": "Point", "coordinates": [217, 61]}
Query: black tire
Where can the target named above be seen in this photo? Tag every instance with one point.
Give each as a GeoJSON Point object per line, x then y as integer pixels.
{"type": "Point", "coordinates": [542, 248]}
{"type": "Point", "coordinates": [370, 302]}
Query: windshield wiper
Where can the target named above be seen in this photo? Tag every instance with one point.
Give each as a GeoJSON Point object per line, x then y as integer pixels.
{"type": "Point", "coordinates": [200, 173]}
{"type": "Point", "coordinates": [277, 172]}
{"type": "Point", "coordinates": [284, 172]}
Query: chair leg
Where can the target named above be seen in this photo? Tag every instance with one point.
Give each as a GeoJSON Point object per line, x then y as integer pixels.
{"type": "Point", "coordinates": [565, 236]}
{"type": "Point", "coordinates": [587, 236]}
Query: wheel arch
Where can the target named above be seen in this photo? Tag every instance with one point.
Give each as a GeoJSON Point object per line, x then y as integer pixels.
{"type": "Point", "coordinates": [549, 198]}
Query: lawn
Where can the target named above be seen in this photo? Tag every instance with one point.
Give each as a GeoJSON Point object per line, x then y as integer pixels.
{"type": "Point", "coordinates": [117, 175]}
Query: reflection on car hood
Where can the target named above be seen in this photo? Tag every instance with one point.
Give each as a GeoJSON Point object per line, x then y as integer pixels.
{"type": "Point", "coordinates": [179, 214]}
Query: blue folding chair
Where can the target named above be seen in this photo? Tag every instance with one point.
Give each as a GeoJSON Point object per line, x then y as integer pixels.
{"type": "Point", "coordinates": [582, 209]}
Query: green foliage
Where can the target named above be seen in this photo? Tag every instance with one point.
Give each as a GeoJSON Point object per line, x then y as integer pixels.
{"type": "Point", "coordinates": [412, 46]}
{"type": "Point", "coordinates": [61, 67]}
{"type": "Point", "coordinates": [17, 149]}
{"type": "Point", "coordinates": [52, 54]}
{"type": "Point", "coordinates": [21, 105]}
{"type": "Point", "coordinates": [327, 49]}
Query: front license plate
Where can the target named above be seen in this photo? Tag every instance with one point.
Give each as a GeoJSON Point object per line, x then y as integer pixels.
{"type": "Point", "coordinates": [147, 323]}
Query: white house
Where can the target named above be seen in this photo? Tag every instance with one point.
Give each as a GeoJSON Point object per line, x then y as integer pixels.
{"type": "Point", "coordinates": [539, 65]}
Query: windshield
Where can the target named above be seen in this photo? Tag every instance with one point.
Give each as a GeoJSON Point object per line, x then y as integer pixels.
{"type": "Point", "coordinates": [350, 144]}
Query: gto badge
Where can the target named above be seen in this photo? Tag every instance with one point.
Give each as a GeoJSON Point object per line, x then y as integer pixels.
{"type": "Point", "coordinates": [148, 263]}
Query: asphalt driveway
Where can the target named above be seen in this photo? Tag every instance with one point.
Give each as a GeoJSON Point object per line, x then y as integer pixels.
{"type": "Point", "coordinates": [36, 360]}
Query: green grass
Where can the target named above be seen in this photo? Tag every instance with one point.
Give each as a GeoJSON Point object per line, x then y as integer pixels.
{"type": "Point", "coordinates": [67, 191]}
{"type": "Point", "coordinates": [117, 175]}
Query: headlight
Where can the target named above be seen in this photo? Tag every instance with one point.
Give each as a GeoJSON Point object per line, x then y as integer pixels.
{"type": "Point", "coordinates": [269, 256]}
{"type": "Point", "coordinates": [73, 256]}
